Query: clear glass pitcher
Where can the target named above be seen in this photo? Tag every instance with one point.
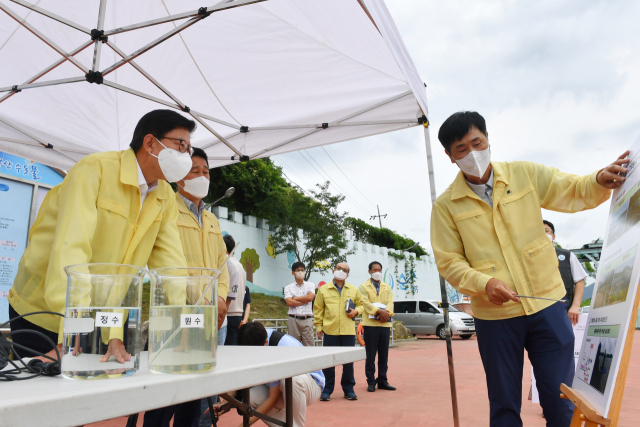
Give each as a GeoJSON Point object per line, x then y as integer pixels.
{"type": "Point", "coordinates": [102, 321]}
{"type": "Point", "coordinates": [183, 320]}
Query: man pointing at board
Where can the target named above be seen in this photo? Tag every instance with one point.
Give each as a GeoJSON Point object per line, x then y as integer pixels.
{"type": "Point", "coordinates": [488, 243]}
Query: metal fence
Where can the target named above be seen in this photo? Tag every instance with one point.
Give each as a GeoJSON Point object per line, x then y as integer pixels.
{"type": "Point", "coordinates": [281, 325]}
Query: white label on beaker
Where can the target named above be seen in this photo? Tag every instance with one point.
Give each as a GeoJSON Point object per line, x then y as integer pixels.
{"type": "Point", "coordinates": [192, 320]}
{"type": "Point", "coordinates": [108, 320]}
{"type": "Point", "coordinates": [78, 325]}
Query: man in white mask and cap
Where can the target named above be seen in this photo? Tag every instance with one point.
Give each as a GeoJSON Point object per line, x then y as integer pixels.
{"type": "Point", "coordinates": [334, 309]}
{"type": "Point", "coordinates": [488, 243]}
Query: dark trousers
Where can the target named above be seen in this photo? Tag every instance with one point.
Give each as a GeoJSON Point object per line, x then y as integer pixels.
{"type": "Point", "coordinates": [548, 338]}
{"type": "Point", "coordinates": [31, 341]}
{"type": "Point", "coordinates": [376, 340]}
{"type": "Point", "coordinates": [233, 326]}
{"type": "Point", "coordinates": [184, 415]}
{"type": "Point", "coordinates": [348, 379]}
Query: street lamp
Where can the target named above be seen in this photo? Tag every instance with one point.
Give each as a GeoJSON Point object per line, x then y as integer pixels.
{"type": "Point", "coordinates": [227, 194]}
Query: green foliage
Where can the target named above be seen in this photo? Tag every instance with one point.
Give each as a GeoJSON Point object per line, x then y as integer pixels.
{"type": "Point", "coordinates": [589, 267]}
{"type": "Point", "coordinates": [382, 237]}
{"type": "Point", "coordinates": [258, 183]}
{"type": "Point", "coordinates": [250, 260]}
{"type": "Point", "coordinates": [586, 302]}
{"type": "Point", "coordinates": [323, 228]}
{"type": "Point", "coordinates": [410, 275]}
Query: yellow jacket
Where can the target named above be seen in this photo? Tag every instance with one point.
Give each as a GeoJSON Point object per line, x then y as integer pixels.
{"type": "Point", "coordinates": [94, 216]}
{"type": "Point", "coordinates": [369, 295]}
{"type": "Point", "coordinates": [473, 243]}
{"type": "Point", "coordinates": [203, 246]}
{"type": "Point", "coordinates": [329, 309]}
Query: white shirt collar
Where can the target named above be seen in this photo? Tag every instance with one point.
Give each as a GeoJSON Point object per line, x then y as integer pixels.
{"type": "Point", "coordinates": [142, 182]}
{"type": "Point", "coordinates": [481, 188]}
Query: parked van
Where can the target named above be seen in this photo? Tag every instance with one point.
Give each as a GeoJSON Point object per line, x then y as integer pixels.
{"type": "Point", "coordinates": [427, 318]}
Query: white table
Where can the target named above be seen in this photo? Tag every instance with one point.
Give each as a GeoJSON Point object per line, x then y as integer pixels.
{"type": "Point", "coordinates": [58, 401]}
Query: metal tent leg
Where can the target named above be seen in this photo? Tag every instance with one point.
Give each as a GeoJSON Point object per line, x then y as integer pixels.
{"type": "Point", "coordinates": [443, 291]}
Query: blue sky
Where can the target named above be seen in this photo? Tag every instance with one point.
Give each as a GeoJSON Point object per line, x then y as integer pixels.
{"type": "Point", "coordinates": [557, 81]}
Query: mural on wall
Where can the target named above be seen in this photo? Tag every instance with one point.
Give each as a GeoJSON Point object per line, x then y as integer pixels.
{"type": "Point", "coordinates": [250, 260]}
{"type": "Point", "coordinates": [291, 258]}
{"type": "Point", "coordinates": [453, 295]}
{"type": "Point", "coordinates": [271, 251]}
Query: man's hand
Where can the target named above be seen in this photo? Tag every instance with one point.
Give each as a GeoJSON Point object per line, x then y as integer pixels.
{"type": "Point", "coordinates": [243, 322]}
{"type": "Point", "coordinates": [384, 315]}
{"type": "Point", "coordinates": [499, 293]}
{"type": "Point", "coordinates": [352, 313]}
{"type": "Point", "coordinates": [222, 311]}
{"type": "Point", "coordinates": [574, 314]}
{"type": "Point", "coordinates": [116, 348]}
{"type": "Point", "coordinates": [611, 176]}
{"type": "Point", "coordinates": [319, 335]}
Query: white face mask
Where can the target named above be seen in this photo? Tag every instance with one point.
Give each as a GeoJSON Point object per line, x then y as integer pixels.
{"type": "Point", "coordinates": [299, 275]}
{"type": "Point", "coordinates": [376, 276]}
{"type": "Point", "coordinates": [475, 163]}
{"type": "Point", "coordinates": [550, 237]}
{"type": "Point", "coordinates": [339, 275]}
{"type": "Point", "coordinates": [173, 164]}
{"type": "Point", "coordinates": [198, 187]}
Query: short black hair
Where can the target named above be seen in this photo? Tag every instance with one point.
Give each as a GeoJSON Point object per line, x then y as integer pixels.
{"type": "Point", "coordinates": [199, 152]}
{"type": "Point", "coordinates": [458, 125]}
{"type": "Point", "coordinates": [229, 242]}
{"type": "Point", "coordinates": [253, 334]}
{"type": "Point", "coordinates": [296, 265]}
{"type": "Point", "coordinates": [159, 123]}
{"type": "Point", "coordinates": [545, 222]}
{"type": "Point", "coordinates": [372, 263]}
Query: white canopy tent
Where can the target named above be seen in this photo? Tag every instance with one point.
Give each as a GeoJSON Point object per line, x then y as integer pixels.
{"type": "Point", "coordinates": [260, 77]}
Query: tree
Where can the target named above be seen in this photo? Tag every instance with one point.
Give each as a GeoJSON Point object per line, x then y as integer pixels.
{"type": "Point", "coordinates": [323, 243]}
{"type": "Point", "coordinates": [384, 237]}
{"type": "Point", "coordinates": [250, 260]}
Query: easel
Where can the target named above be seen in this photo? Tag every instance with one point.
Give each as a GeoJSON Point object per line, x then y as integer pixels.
{"type": "Point", "coordinates": [587, 414]}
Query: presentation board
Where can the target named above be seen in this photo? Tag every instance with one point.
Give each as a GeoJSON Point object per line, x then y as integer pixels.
{"type": "Point", "coordinates": [614, 294]}
{"type": "Point", "coordinates": [23, 187]}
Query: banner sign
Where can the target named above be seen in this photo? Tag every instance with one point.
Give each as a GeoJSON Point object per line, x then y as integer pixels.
{"type": "Point", "coordinates": [614, 294]}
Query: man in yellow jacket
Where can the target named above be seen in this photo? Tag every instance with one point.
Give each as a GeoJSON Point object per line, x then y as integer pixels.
{"type": "Point", "coordinates": [203, 248]}
{"type": "Point", "coordinates": [488, 243]}
{"type": "Point", "coordinates": [336, 327]}
{"type": "Point", "coordinates": [112, 207]}
{"type": "Point", "coordinates": [377, 299]}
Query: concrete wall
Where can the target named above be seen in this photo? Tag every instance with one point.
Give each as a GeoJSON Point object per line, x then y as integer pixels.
{"type": "Point", "coordinates": [269, 275]}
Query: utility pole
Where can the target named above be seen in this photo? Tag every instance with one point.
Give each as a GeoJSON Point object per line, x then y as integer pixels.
{"type": "Point", "coordinates": [379, 216]}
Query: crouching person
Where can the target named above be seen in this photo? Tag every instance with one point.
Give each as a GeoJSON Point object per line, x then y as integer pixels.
{"type": "Point", "coordinates": [269, 398]}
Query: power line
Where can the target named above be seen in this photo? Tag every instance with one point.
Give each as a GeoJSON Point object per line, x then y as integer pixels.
{"type": "Point", "coordinates": [348, 197]}
{"type": "Point", "coordinates": [372, 204]}
{"type": "Point", "coordinates": [294, 172]}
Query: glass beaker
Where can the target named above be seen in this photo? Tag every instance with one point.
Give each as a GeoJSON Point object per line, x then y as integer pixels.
{"type": "Point", "coordinates": [183, 320]}
{"type": "Point", "coordinates": [102, 316]}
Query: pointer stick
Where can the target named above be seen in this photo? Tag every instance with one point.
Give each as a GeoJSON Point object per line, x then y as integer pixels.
{"type": "Point", "coordinates": [548, 299]}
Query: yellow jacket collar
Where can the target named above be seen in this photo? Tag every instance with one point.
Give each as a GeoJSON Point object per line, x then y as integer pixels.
{"type": "Point", "coordinates": [369, 283]}
{"type": "Point", "coordinates": [333, 285]}
{"type": "Point", "coordinates": [460, 189]}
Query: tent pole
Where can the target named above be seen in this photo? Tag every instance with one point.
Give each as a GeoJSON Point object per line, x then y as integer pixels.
{"type": "Point", "coordinates": [220, 137]}
{"type": "Point", "coordinates": [51, 67]}
{"type": "Point", "coordinates": [98, 44]}
{"type": "Point", "coordinates": [49, 146]}
{"type": "Point", "coordinates": [371, 122]}
{"type": "Point", "coordinates": [53, 16]}
{"type": "Point", "coordinates": [342, 119]}
{"type": "Point", "coordinates": [165, 90]}
{"type": "Point", "coordinates": [443, 291]}
{"type": "Point", "coordinates": [43, 84]}
{"type": "Point", "coordinates": [42, 37]}
{"type": "Point", "coordinates": [215, 8]}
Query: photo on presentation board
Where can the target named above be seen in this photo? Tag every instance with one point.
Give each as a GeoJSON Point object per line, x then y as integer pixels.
{"type": "Point", "coordinates": [614, 295]}
{"type": "Point", "coordinates": [596, 356]}
{"type": "Point", "coordinates": [613, 283]}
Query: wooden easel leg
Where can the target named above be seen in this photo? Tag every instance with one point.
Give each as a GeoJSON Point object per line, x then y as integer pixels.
{"type": "Point", "coordinates": [575, 420]}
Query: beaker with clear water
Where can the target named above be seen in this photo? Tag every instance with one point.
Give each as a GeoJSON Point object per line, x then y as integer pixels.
{"type": "Point", "coordinates": [102, 321]}
{"type": "Point", "coordinates": [183, 320]}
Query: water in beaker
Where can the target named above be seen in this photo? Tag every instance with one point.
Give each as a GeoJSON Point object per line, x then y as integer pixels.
{"type": "Point", "coordinates": [183, 320]}
{"type": "Point", "coordinates": [102, 321]}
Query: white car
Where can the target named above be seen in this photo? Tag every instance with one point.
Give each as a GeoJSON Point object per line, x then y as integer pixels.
{"type": "Point", "coordinates": [426, 317]}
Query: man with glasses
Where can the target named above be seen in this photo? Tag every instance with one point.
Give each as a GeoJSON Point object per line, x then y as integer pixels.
{"type": "Point", "coordinates": [112, 207]}
{"type": "Point", "coordinates": [336, 305]}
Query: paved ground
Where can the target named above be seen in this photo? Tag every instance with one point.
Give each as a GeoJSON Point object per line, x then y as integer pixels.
{"type": "Point", "coordinates": [419, 370]}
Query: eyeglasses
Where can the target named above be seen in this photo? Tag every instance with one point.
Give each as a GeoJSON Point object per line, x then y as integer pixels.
{"type": "Point", "coordinates": [185, 147]}
{"type": "Point", "coordinates": [346, 270]}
